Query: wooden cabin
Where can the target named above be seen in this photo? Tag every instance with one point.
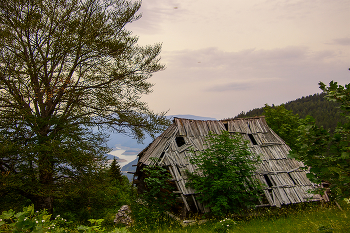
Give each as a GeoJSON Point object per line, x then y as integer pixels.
{"type": "Point", "coordinates": [284, 182]}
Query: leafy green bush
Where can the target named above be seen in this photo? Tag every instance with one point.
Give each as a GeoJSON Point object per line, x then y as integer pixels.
{"type": "Point", "coordinates": [149, 207]}
{"type": "Point", "coordinates": [38, 222]}
{"type": "Point", "coordinates": [225, 174]}
{"type": "Point", "coordinates": [99, 197]}
{"type": "Point", "coordinates": [224, 225]}
{"type": "Point", "coordinates": [30, 221]}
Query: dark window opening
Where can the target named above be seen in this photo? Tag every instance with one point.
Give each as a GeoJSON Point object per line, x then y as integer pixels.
{"type": "Point", "coordinates": [161, 155]}
{"type": "Point", "coordinates": [291, 178]}
{"type": "Point", "coordinates": [268, 181]}
{"type": "Point", "coordinates": [180, 141]}
{"type": "Point", "coordinates": [252, 139]}
{"type": "Point", "coordinates": [178, 169]}
{"type": "Point", "coordinates": [226, 126]}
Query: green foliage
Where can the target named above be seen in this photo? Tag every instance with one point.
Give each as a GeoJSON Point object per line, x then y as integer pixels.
{"type": "Point", "coordinates": [68, 68]}
{"type": "Point", "coordinates": [158, 198]}
{"type": "Point", "coordinates": [41, 221]}
{"type": "Point", "coordinates": [115, 172]}
{"type": "Point", "coordinates": [327, 154]}
{"type": "Point", "coordinates": [96, 197]}
{"type": "Point", "coordinates": [29, 221]}
{"type": "Point", "coordinates": [312, 148]}
{"type": "Point", "coordinates": [96, 226]}
{"type": "Point", "coordinates": [338, 93]}
{"type": "Point", "coordinates": [224, 178]}
{"type": "Point", "coordinates": [324, 112]}
{"type": "Point", "coordinates": [158, 194]}
{"type": "Point", "coordinates": [283, 122]}
{"type": "Point", "coordinates": [224, 225]}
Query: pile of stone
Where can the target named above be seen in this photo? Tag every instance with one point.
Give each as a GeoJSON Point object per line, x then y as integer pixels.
{"type": "Point", "coordinates": [123, 216]}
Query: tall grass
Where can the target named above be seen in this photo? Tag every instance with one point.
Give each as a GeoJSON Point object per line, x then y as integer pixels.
{"type": "Point", "coordinates": [310, 217]}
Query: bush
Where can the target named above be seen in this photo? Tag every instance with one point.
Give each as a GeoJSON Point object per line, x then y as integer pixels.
{"type": "Point", "coordinates": [225, 174]}
{"type": "Point", "coordinates": [30, 221]}
{"type": "Point", "coordinates": [38, 222]}
{"type": "Point", "coordinates": [149, 207]}
{"type": "Point", "coordinates": [224, 225]}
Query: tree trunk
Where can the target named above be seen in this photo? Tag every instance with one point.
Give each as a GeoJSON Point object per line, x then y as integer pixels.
{"type": "Point", "coordinates": [44, 197]}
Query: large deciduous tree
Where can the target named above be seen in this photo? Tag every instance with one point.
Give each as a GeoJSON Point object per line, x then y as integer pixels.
{"type": "Point", "coordinates": [67, 69]}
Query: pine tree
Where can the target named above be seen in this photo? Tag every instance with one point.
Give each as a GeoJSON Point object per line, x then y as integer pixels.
{"type": "Point", "coordinates": [115, 171]}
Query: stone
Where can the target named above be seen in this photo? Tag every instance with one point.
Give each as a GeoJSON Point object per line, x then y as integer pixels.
{"type": "Point", "coordinates": [123, 216]}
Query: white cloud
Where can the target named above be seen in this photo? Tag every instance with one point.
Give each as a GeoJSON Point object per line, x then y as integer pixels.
{"type": "Point", "coordinates": [225, 56]}
{"type": "Point", "coordinates": [154, 13]}
{"type": "Point", "coordinates": [206, 81]}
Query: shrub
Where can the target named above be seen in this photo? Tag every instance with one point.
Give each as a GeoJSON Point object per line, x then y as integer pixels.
{"type": "Point", "coordinates": [224, 177]}
{"type": "Point", "coordinates": [224, 225]}
{"type": "Point", "coordinates": [39, 222]}
{"type": "Point", "coordinates": [150, 206]}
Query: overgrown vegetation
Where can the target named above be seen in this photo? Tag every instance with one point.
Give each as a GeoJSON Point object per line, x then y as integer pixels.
{"type": "Point", "coordinates": [283, 122]}
{"type": "Point", "coordinates": [327, 154]}
{"type": "Point", "coordinates": [70, 71]}
{"type": "Point", "coordinates": [224, 177]}
{"type": "Point", "coordinates": [326, 113]}
{"type": "Point", "coordinates": [304, 217]}
{"type": "Point", "coordinates": [157, 198]}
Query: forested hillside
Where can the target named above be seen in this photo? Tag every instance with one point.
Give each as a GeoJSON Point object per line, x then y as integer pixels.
{"type": "Point", "coordinates": [326, 113]}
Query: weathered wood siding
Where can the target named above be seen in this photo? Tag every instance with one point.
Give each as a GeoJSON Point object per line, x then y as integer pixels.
{"type": "Point", "coordinates": [285, 183]}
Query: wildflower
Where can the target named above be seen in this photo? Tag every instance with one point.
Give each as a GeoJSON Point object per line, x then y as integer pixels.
{"type": "Point", "coordinates": [43, 220]}
{"type": "Point", "coordinates": [0, 219]}
{"type": "Point", "coordinates": [36, 221]}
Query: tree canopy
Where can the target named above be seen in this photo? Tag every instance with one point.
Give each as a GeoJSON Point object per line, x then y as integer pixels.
{"type": "Point", "coordinates": [68, 68]}
{"type": "Point", "coordinates": [326, 113]}
{"type": "Point", "coordinates": [327, 155]}
{"type": "Point", "coordinates": [283, 122]}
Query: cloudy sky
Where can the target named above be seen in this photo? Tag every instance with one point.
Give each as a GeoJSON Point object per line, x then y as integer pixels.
{"type": "Point", "coordinates": [228, 56]}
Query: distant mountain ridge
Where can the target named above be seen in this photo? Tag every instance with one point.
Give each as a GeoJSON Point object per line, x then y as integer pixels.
{"type": "Point", "coordinates": [326, 113]}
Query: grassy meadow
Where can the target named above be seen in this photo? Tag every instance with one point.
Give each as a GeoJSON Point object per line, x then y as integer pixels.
{"type": "Point", "coordinates": [311, 217]}
{"type": "Point", "coordinates": [305, 217]}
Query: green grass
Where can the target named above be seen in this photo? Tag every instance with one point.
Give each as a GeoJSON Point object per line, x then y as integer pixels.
{"type": "Point", "coordinates": [299, 218]}
{"type": "Point", "coordinates": [309, 217]}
